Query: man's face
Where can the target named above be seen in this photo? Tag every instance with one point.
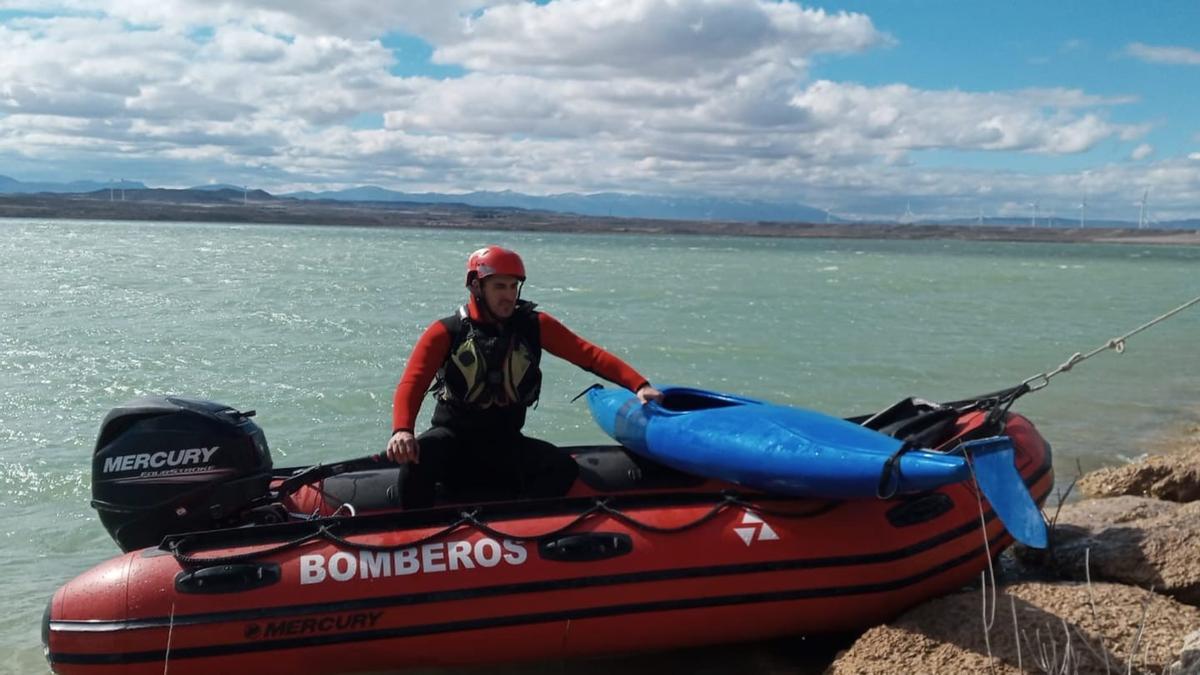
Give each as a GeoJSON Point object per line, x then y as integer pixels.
{"type": "Point", "coordinates": [500, 293]}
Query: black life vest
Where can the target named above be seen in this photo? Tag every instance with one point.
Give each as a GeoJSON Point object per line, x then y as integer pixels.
{"type": "Point", "coordinates": [491, 365]}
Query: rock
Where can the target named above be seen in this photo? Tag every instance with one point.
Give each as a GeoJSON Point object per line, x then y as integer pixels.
{"type": "Point", "coordinates": [1174, 477]}
{"type": "Point", "coordinates": [1189, 656]}
{"type": "Point", "coordinates": [1100, 513]}
{"type": "Point", "coordinates": [1130, 540]}
{"type": "Point", "coordinates": [1063, 627]}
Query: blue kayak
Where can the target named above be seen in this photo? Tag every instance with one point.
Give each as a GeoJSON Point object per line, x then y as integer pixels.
{"type": "Point", "coordinates": [765, 446]}
{"type": "Point", "coordinates": [793, 451]}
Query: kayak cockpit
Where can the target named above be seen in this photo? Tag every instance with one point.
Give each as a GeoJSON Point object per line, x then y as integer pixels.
{"type": "Point", "coordinates": [686, 399]}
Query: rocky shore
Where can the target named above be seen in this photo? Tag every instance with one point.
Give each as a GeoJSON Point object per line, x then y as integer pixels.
{"type": "Point", "coordinates": [1117, 590]}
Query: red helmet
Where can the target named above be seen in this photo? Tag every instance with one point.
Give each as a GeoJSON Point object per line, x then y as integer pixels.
{"type": "Point", "coordinates": [494, 260]}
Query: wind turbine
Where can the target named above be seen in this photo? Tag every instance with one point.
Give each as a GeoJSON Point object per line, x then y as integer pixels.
{"type": "Point", "coordinates": [981, 215]}
{"type": "Point", "coordinates": [1033, 222]}
{"type": "Point", "coordinates": [245, 191]}
{"type": "Point", "coordinates": [1083, 212]}
{"type": "Point", "coordinates": [909, 217]}
{"type": "Point", "coordinates": [1142, 210]}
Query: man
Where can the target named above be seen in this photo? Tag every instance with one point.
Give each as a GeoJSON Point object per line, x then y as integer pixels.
{"type": "Point", "coordinates": [483, 362]}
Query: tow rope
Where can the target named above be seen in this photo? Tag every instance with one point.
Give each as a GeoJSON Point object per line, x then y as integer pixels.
{"type": "Point", "coordinates": [997, 404]}
{"type": "Point", "coordinates": [1116, 344]}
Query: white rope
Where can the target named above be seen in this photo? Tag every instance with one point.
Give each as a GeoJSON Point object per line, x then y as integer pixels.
{"type": "Point", "coordinates": [1116, 344]}
{"type": "Point", "coordinates": [170, 631]}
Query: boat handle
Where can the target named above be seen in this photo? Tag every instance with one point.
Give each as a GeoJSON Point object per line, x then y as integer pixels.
{"type": "Point", "coordinates": [227, 578]}
{"type": "Point", "coordinates": [586, 546]}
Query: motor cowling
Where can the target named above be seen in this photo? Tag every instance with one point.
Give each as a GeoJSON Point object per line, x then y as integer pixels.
{"type": "Point", "coordinates": [167, 465]}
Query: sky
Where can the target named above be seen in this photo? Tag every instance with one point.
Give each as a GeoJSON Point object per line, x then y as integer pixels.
{"type": "Point", "coordinates": [871, 108]}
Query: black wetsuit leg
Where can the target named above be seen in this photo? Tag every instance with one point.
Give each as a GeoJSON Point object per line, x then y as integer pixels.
{"type": "Point", "coordinates": [477, 466]}
{"type": "Point", "coordinates": [439, 449]}
{"type": "Point", "coordinates": [546, 471]}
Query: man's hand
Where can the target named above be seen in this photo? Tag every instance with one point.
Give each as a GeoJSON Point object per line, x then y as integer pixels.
{"type": "Point", "coordinates": [648, 393]}
{"type": "Point", "coordinates": [402, 448]}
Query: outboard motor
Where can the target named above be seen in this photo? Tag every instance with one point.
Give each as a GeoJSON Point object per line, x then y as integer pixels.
{"type": "Point", "coordinates": [166, 465]}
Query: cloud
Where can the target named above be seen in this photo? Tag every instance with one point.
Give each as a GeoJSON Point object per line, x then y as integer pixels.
{"type": "Point", "coordinates": [759, 132]}
{"type": "Point", "coordinates": [239, 44]}
{"type": "Point", "coordinates": [356, 19]}
{"type": "Point", "coordinates": [78, 66]}
{"type": "Point", "coordinates": [97, 67]}
{"type": "Point", "coordinates": [655, 96]}
{"type": "Point", "coordinates": [1181, 56]}
{"type": "Point", "coordinates": [1142, 152]}
{"type": "Point", "coordinates": [652, 38]}
{"type": "Point", "coordinates": [897, 118]}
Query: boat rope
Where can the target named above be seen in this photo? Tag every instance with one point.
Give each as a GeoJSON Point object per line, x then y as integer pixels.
{"type": "Point", "coordinates": [177, 546]}
{"type": "Point", "coordinates": [1116, 344]}
{"type": "Point", "coordinates": [466, 518]}
{"type": "Point", "coordinates": [471, 519]}
{"type": "Point", "coordinates": [989, 619]}
{"type": "Point", "coordinates": [170, 633]}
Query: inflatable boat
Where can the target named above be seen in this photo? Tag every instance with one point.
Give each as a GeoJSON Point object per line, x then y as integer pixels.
{"type": "Point", "coordinates": [235, 565]}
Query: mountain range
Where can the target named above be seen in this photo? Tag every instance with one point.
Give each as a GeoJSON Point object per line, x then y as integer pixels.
{"type": "Point", "coordinates": [13, 186]}
{"type": "Point", "coordinates": [605, 204]}
{"type": "Point", "coordinates": [599, 204]}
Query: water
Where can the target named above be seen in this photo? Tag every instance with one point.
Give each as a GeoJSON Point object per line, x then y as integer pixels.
{"type": "Point", "coordinates": [311, 326]}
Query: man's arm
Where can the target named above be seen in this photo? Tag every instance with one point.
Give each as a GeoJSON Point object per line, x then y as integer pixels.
{"type": "Point", "coordinates": [561, 342]}
{"type": "Point", "coordinates": [427, 356]}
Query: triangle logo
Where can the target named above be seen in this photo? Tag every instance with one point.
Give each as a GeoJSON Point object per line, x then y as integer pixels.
{"type": "Point", "coordinates": [755, 529]}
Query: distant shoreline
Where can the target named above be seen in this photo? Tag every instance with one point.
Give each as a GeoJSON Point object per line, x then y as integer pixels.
{"type": "Point", "coordinates": [463, 217]}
